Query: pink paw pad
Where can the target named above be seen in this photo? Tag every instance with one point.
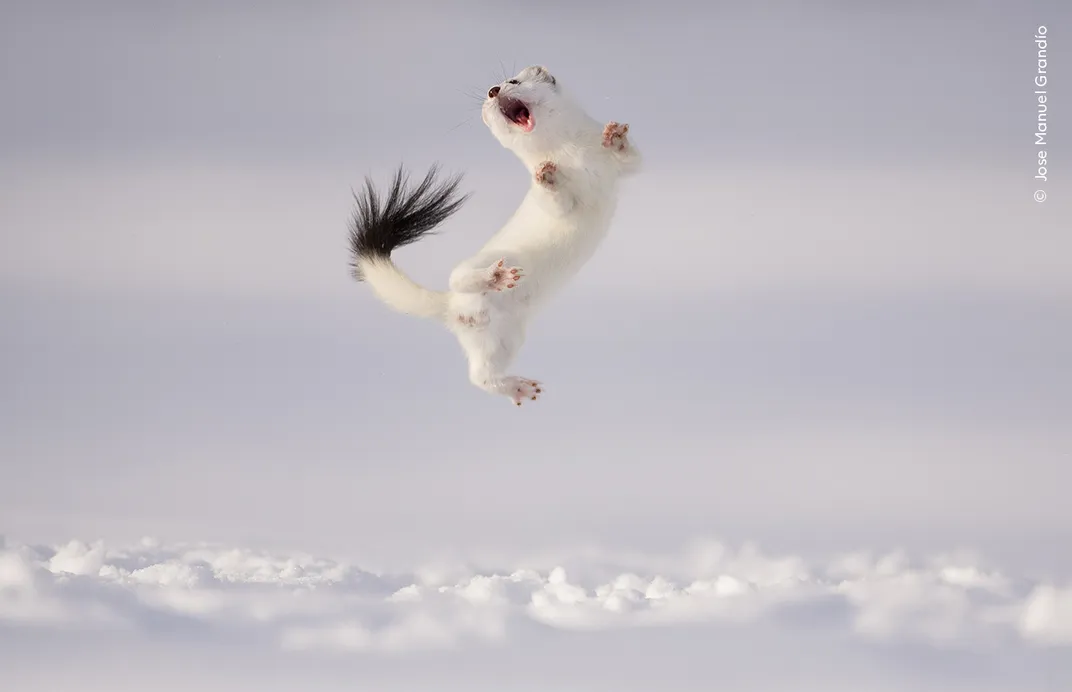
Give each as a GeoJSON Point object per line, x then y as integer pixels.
{"type": "Point", "coordinates": [546, 174]}
{"type": "Point", "coordinates": [523, 389]}
{"type": "Point", "coordinates": [504, 277]}
{"type": "Point", "coordinates": [614, 136]}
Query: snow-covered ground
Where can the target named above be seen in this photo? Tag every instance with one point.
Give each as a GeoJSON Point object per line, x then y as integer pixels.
{"type": "Point", "coordinates": [684, 617]}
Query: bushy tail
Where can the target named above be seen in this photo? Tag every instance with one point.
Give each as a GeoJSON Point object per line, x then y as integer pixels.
{"type": "Point", "coordinates": [405, 216]}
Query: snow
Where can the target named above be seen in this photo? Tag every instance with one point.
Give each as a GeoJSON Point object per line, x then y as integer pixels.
{"type": "Point", "coordinates": [302, 602]}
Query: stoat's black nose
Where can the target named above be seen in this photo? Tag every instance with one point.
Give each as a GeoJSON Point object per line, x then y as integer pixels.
{"type": "Point", "coordinates": [493, 92]}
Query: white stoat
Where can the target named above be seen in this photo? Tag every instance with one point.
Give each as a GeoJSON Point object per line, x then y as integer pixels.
{"type": "Point", "coordinates": [575, 163]}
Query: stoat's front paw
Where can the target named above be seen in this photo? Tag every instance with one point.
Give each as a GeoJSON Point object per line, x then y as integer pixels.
{"type": "Point", "coordinates": [500, 276]}
{"type": "Point", "coordinates": [547, 174]}
{"type": "Point", "coordinates": [614, 136]}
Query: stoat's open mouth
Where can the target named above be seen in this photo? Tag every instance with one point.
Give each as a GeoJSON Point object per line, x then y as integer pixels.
{"type": "Point", "coordinates": [516, 112]}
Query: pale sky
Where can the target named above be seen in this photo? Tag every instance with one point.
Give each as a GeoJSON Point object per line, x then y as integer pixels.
{"type": "Point", "coordinates": [829, 317]}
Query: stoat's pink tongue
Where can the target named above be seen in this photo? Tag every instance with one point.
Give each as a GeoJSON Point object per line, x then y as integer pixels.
{"type": "Point", "coordinates": [526, 123]}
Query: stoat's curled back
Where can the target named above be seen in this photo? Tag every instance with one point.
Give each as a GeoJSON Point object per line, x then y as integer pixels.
{"type": "Point", "coordinates": [575, 163]}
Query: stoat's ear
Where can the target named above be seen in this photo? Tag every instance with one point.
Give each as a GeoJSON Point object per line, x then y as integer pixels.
{"type": "Point", "coordinates": [543, 75]}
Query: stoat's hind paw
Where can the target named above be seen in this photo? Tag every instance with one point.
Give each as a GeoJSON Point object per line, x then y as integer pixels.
{"type": "Point", "coordinates": [546, 174]}
{"type": "Point", "coordinates": [502, 277]}
{"type": "Point", "coordinates": [521, 389]}
{"type": "Point", "coordinates": [478, 319]}
{"type": "Point", "coordinates": [614, 136]}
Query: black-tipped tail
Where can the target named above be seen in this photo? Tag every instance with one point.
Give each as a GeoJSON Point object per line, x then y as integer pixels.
{"type": "Point", "coordinates": [378, 226]}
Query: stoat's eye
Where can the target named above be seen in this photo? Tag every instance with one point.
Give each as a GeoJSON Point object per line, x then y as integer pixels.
{"type": "Point", "coordinates": [512, 81]}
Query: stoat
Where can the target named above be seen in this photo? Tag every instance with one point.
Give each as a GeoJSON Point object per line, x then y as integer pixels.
{"type": "Point", "coordinates": [575, 163]}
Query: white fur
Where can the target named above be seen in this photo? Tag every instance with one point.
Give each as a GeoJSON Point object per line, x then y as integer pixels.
{"type": "Point", "coordinates": [550, 236]}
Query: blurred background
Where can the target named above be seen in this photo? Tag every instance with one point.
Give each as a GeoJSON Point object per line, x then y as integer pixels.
{"type": "Point", "coordinates": [830, 313]}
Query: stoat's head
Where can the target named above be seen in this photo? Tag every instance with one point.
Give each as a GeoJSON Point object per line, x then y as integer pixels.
{"type": "Point", "coordinates": [530, 114]}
